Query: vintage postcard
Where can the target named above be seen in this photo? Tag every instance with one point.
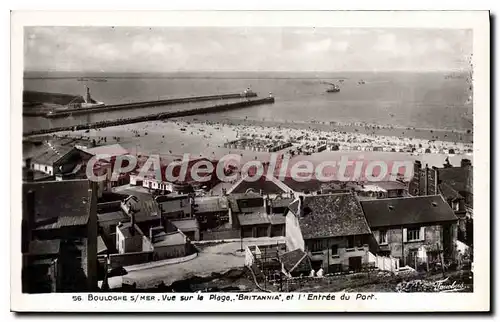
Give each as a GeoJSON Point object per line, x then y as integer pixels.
{"type": "Point", "coordinates": [250, 161]}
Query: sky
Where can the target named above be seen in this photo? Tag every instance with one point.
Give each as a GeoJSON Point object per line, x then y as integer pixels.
{"type": "Point", "coordinates": [169, 49]}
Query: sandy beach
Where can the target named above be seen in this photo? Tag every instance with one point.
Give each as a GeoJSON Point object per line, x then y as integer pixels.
{"type": "Point", "coordinates": [206, 138]}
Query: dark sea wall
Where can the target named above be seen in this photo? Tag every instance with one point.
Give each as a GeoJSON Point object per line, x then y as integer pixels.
{"type": "Point", "coordinates": [125, 106]}
{"type": "Point", "coordinates": [155, 117]}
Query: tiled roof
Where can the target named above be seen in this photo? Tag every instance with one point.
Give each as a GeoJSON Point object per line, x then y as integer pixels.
{"type": "Point", "coordinates": [67, 198]}
{"type": "Point", "coordinates": [262, 184]}
{"type": "Point", "coordinates": [248, 202]}
{"type": "Point", "coordinates": [186, 224]}
{"type": "Point", "coordinates": [456, 177]}
{"type": "Point", "coordinates": [112, 150]}
{"type": "Point", "coordinates": [113, 216]}
{"type": "Point", "coordinates": [448, 192]}
{"type": "Point", "coordinates": [296, 260]}
{"type": "Point", "coordinates": [44, 247]}
{"type": "Point", "coordinates": [407, 211]}
{"type": "Point", "coordinates": [277, 219]}
{"type": "Point", "coordinates": [215, 204]}
{"type": "Point", "coordinates": [332, 215]}
{"type": "Point", "coordinates": [281, 202]}
{"type": "Point", "coordinates": [389, 185]}
{"type": "Point", "coordinates": [64, 221]}
{"type": "Point", "coordinates": [51, 154]}
{"type": "Point", "coordinates": [256, 218]}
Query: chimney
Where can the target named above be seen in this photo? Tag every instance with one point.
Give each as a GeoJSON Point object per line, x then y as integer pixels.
{"type": "Point", "coordinates": [465, 163]}
{"type": "Point", "coordinates": [30, 174]}
{"type": "Point", "coordinates": [301, 206]}
{"type": "Point", "coordinates": [132, 228]}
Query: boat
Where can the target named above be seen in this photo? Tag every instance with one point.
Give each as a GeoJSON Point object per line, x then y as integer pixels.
{"type": "Point", "coordinates": [248, 93]}
{"type": "Point", "coordinates": [333, 88]}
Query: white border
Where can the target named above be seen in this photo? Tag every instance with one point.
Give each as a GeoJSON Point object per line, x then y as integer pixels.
{"type": "Point", "coordinates": [478, 21]}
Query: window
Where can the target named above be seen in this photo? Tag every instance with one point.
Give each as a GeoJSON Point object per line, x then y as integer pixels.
{"type": "Point", "coordinates": [316, 245]}
{"type": "Point", "coordinates": [335, 249]}
{"type": "Point", "coordinates": [456, 206]}
{"type": "Point", "coordinates": [413, 234]}
{"type": "Point", "coordinates": [382, 238]}
{"type": "Point", "coordinates": [350, 242]}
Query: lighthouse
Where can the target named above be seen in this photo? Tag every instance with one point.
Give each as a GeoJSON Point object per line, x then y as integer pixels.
{"type": "Point", "coordinates": [88, 99]}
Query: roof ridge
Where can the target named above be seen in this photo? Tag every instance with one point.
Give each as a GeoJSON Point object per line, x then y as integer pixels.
{"type": "Point", "coordinates": [399, 198]}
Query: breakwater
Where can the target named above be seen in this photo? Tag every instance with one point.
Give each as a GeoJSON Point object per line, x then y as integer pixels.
{"type": "Point", "coordinates": [107, 108]}
{"type": "Point", "coordinates": [155, 117]}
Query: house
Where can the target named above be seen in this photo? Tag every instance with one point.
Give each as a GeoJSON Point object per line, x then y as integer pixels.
{"type": "Point", "coordinates": [175, 206]}
{"type": "Point", "coordinates": [212, 212]}
{"type": "Point", "coordinates": [60, 213]}
{"type": "Point", "coordinates": [189, 227]}
{"type": "Point", "coordinates": [42, 275]}
{"type": "Point", "coordinates": [457, 203]}
{"type": "Point", "coordinates": [451, 182]}
{"type": "Point", "coordinates": [332, 229]}
{"type": "Point", "coordinates": [381, 190]}
{"type": "Point", "coordinates": [261, 224]}
{"type": "Point", "coordinates": [265, 185]}
{"type": "Point", "coordinates": [169, 244]}
{"type": "Point", "coordinates": [414, 229]}
{"type": "Point", "coordinates": [128, 238]}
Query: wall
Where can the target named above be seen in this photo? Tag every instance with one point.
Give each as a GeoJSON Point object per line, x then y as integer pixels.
{"type": "Point", "coordinates": [121, 260]}
{"type": "Point", "coordinates": [343, 253]}
{"type": "Point", "coordinates": [130, 244]}
{"type": "Point", "coordinates": [169, 251]}
{"type": "Point", "coordinates": [433, 236]}
{"type": "Point", "coordinates": [220, 234]}
{"type": "Point", "coordinates": [294, 239]}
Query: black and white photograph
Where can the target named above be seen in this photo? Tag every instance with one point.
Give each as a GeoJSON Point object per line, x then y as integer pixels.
{"type": "Point", "coordinates": [238, 164]}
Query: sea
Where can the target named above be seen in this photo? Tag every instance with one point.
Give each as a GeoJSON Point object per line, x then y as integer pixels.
{"type": "Point", "coordinates": [432, 100]}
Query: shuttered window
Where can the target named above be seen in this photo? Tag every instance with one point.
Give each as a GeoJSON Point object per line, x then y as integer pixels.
{"type": "Point", "coordinates": [414, 234]}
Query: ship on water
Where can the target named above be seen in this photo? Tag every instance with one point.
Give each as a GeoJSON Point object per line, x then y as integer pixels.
{"type": "Point", "coordinates": [93, 79]}
{"type": "Point", "coordinates": [334, 88]}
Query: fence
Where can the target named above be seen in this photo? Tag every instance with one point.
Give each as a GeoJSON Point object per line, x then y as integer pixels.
{"type": "Point", "coordinates": [384, 263]}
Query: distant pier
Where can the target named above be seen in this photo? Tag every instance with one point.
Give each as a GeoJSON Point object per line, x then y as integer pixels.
{"type": "Point", "coordinates": [115, 107]}
{"type": "Point", "coordinates": [157, 116]}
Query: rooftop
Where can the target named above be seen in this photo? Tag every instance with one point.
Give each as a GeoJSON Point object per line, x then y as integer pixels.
{"type": "Point", "coordinates": [211, 204]}
{"type": "Point", "coordinates": [68, 198]}
{"type": "Point", "coordinates": [265, 184]}
{"type": "Point", "coordinates": [186, 224]}
{"type": "Point", "coordinates": [111, 150]}
{"type": "Point", "coordinates": [459, 178]}
{"type": "Point", "coordinates": [256, 218]}
{"type": "Point", "coordinates": [331, 215]}
{"type": "Point", "coordinates": [169, 239]}
{"type": "Point", "coordinates": [296, 260]}
{"type": "Point", "coordinates": [448, 192]}
{"type": "Point", "coordinates": [44, 247]}
{"type": "Point", "coordinates": [127, 230]}
{"type": "Point", "coordinates": [277, 219]}
{"type": "Point", "coordinates": [407, 211]}
{"type": "Point", "coordinates": [63, 221]}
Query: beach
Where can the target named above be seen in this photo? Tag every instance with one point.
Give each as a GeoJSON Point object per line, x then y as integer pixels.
{"type": "Point", "coordinates": [206, 139]}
